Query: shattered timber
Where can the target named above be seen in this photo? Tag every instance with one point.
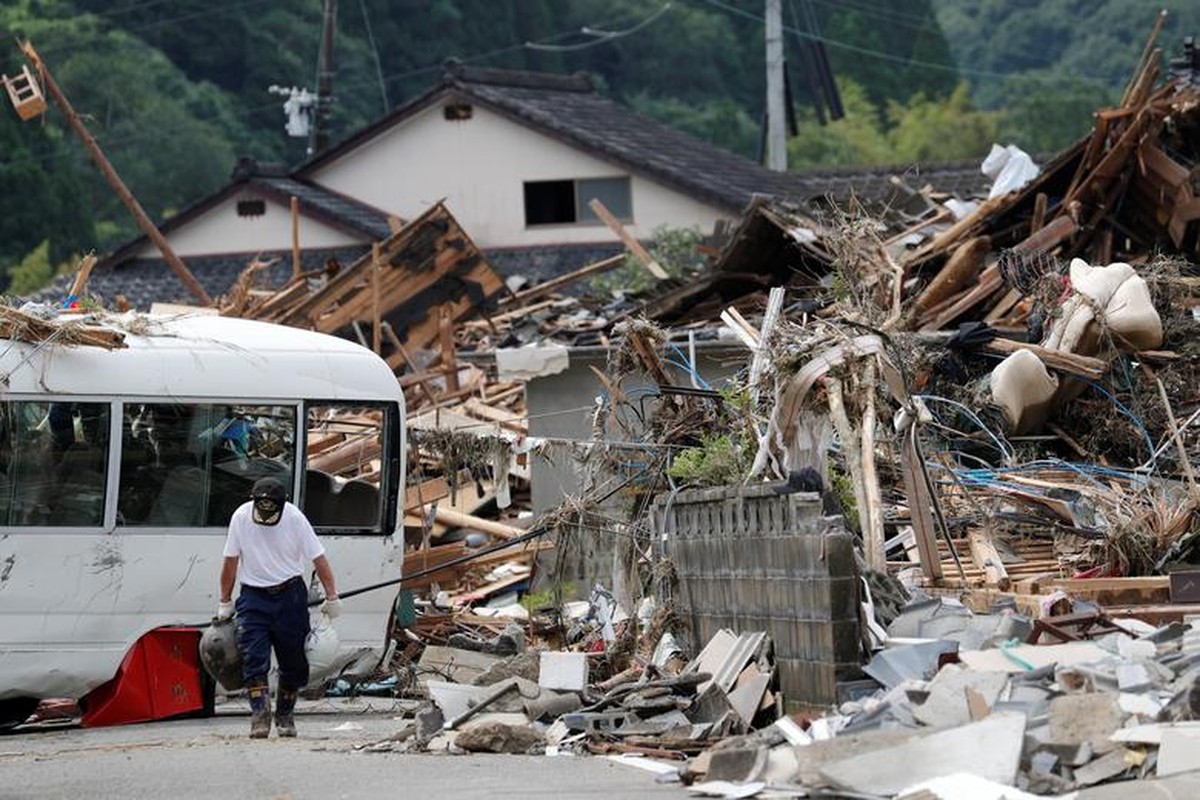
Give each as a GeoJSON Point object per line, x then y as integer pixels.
{"type": "Point", "coordinates": [886, 500]}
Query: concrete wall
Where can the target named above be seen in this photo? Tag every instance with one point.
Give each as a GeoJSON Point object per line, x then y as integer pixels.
{"type": "Point", "coordinates": [749, 559]}
{"type": "Point", "coordinates": [479, 165]}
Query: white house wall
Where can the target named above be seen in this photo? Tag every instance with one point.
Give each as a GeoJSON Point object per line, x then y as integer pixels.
{"type": "Point", "coordinates": [220, 230]}
{"type": "Point", "coordinates": [479, 166]}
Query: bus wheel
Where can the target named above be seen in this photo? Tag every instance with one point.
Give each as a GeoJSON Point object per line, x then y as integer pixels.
{"type": "Point", "coordinates": [16, 710]}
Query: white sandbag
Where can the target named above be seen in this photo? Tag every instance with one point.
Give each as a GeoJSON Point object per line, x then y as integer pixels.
{"type": "Point", "coordinates": [1114, 295]}
{"type": "Point", "coordinates": [1132, 317]}
{"type": "Point", "coordinates": [1023, 389]}
{"type": "Point", "coordinates": [1067, 333]}
{"type": "Point", "coordinates": [1099, 283]}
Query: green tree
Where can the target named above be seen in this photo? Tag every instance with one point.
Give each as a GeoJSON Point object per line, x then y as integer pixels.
{"type": "Point", "coordinates": [923, 129]}
{"type": "Point", "coordinates": [926, 129]}
{"type": "Point", "coordinates": [720, 121]}
{"type": "Point", "coordinates": [894, 50]}
{"type": "Point", "coordinates": [857, 138]}
{"type": "Point", "coordinates": [1045, 113]}
{"type": "Point", "coordinates": [33, 272]}
{"type": "Point", "coordinates": [161, 132]}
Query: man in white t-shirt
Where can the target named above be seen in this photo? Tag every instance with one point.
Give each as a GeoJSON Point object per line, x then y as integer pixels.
{"type": "Point", "coordinates": [273, 544]}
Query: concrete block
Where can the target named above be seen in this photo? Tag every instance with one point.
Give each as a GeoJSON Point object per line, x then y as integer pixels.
{"type": "Point", "coordinates": [1103, 768]}
{"type": "Point", "coordinates": [947, 704]}
{"type": "Point", "coordinates": [737, 763]}
{"type": "Point", "coordinates": [455, 698]}
{"type": "Point", "coordinates": [1176, 787]}
{"type": "Point", "coordinates": [1179, 751]}
{"type": "Point", "coordinates": [1132, 677]}
{"type": "Point", "coordinates": [990, 749]}
{"type": "Point", "coordinates": [563, 671]}
{"type": "Point", "coordinates": [811, 758]}
{"type": "Point", "coordinates": [1079, 718]}
{"type": "Point", "coordinates": [498, 737]}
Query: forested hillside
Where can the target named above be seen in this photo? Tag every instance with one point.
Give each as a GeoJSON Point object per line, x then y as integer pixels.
{"type": "Point", "coordinates": [175, 90]}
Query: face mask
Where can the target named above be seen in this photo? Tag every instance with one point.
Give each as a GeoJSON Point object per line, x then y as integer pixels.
{"type": "Point", "coordinates": [267, 511]}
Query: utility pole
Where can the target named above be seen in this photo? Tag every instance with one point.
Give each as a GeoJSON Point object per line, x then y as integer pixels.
{"type": "Point", "coordinates": [325, 70]}
{"type": "Point", "coordinates": [114, 180]}
{"type": "Point", "coordinates": [776, 122]}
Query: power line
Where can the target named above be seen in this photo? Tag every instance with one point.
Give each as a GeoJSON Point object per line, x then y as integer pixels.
{"type": "Point", "coordinates": [879, 54]}
{"type": "Point", "coordinates": [362, 5]}
{"type": "Point", "coordinates": [920, 22]}
{"type": "Point", "coordinates": [603, 37]}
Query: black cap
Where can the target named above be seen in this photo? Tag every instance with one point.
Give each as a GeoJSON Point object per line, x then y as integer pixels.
{"type": "Point", "coordinates": [270, 488]}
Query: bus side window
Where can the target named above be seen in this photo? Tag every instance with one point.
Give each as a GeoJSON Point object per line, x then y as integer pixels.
{"type": "Point", "coordinates": [192, 465]}
{"type": "Point", "coordinates": [344, 459]}
{"type": "Point", "coordinates": [56, 457]}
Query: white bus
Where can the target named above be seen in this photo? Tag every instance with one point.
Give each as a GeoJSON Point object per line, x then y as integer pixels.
{"type": "Point", "coordinates": [119, 470]}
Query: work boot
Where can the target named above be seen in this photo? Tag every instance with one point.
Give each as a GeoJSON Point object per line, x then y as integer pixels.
{"type": "Point", "coordinates": [285, 717]}
{"type": "Point", "coordinates": [260, 710]}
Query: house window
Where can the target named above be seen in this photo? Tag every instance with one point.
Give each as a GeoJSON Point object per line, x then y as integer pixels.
{"type": "Point", "coordinates": [566, 202]}
{"type": "Point", "coordinates": [251, 208]}
{"type": "Point", "coordinates": [457, 111]}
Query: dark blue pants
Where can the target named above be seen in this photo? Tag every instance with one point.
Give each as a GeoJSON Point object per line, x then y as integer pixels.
{"type": "Point", "coordinates": [274, 619]}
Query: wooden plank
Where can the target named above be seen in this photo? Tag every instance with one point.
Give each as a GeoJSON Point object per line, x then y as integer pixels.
{"type": "Point", "coordinates": [457, 519]}
{"type": "Point", "coordinates": [347, 281]}
{"type": "Point", "coordinates": [397, 284]}
{"type": "Point", "coordinates": [989, 282]}
{"type": "Point", "coordinates": [919, 504]}
{"type": "Point", "coordinates": [294, 207]}
{"type": "Point", "coordinates": [507, 419]}
{"type": "Point", "coordinates": [424, 333]}
{"type": "Point", "coordinates": [1116, 591]}
{"type": "Point", "coordinates": [280, 300]}
{"type": "Point", "coordinates": [426, 492]}
{"type": "Point", "coordinates": [446, 342]}
{"type": "Point", "coordinates": [352, 454]}
{"type": "Point", "coordinates": [81, 277]}
{"type": "Point", "coordinates": [964, 264]}
{"type": "Point", "coordinates": [518, 313]}
{"type": "Point", "coordinates": [1085, 366]}
{"type": "Point", "coordinates": [1038, 220]}
{"type": "Point", "coordinates": [986, 557]}
{"type": "Point", "coordinates": [554, 284]}
{"type": "Point", "coordinates": [628, 239]}
{"type": "Point", "coordinates": [1001, 309]}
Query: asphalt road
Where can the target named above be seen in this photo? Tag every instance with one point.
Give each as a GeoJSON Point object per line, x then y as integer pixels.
{"type": "Point", "coordinates": [331, 758]}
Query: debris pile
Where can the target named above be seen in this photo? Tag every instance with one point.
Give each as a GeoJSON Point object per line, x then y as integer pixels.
{"type": "Point", "coordinates": [997, 400]}
{"type": "Point", "coordinates": [971, 704]}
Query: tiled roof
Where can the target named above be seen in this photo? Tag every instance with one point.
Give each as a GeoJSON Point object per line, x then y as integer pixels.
{"type": "Point", "coordinates": [329, 204]}
{"type": "Point", "coordinates": [143, 281]}
{"type": "Point", "coordinates": [538, 264]}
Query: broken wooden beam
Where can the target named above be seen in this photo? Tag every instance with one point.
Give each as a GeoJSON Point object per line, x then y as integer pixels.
{"type": "Point", "coordinates": [629, 240]}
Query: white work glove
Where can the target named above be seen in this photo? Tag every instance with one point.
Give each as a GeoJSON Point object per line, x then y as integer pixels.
{"type": "Point", "coordinates": [224, 610]}
{"type": "Point", "coordinates": [332, 607]}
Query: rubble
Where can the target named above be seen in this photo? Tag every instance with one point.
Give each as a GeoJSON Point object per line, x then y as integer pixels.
{"type": "Point", "coordinates": [1006, 451]}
